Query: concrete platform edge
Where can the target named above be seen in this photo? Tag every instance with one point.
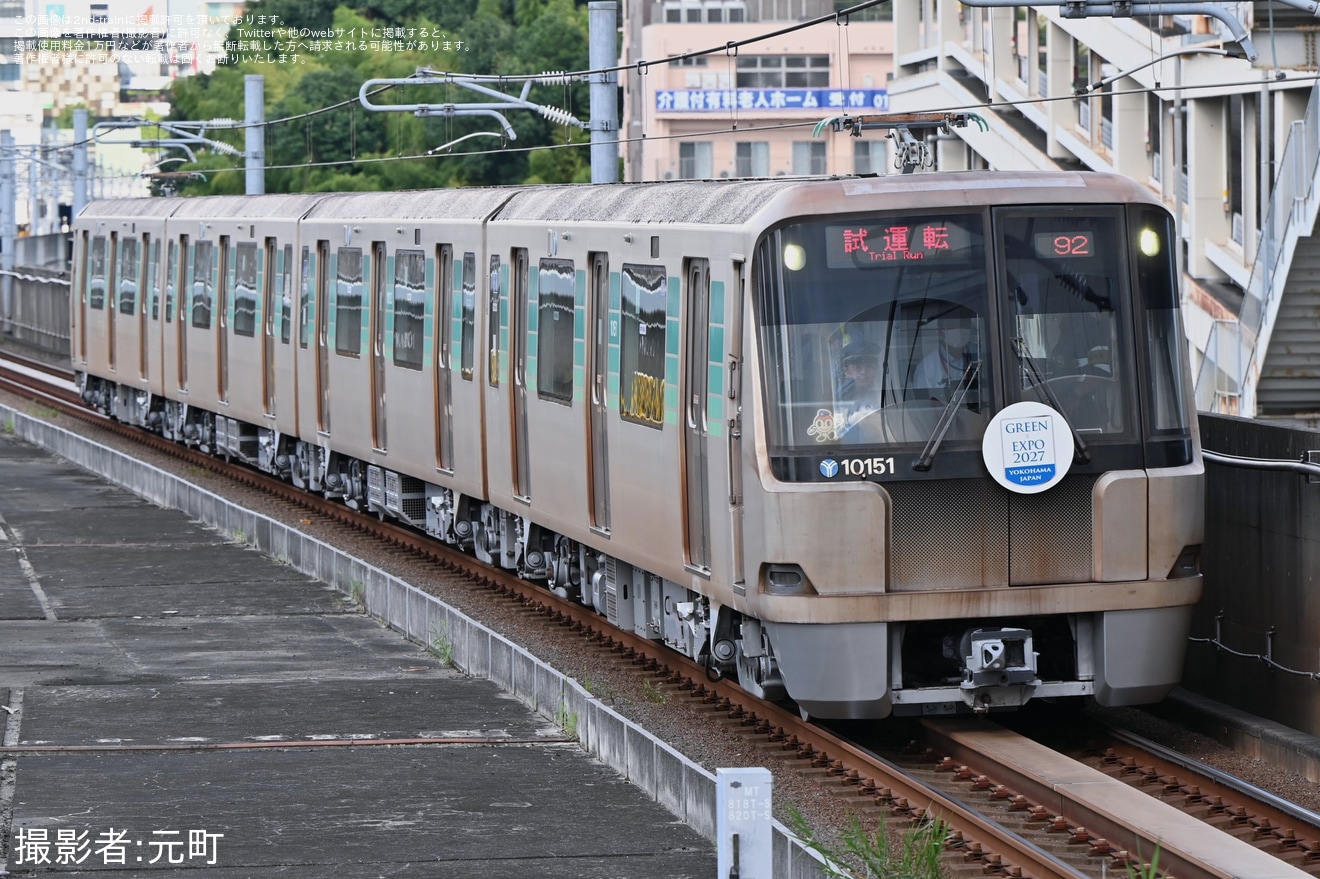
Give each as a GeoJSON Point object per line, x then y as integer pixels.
{"type": "Point", "coordinates": [1271, 742]}
{"type": "Point", "coordinates": [675, 782]}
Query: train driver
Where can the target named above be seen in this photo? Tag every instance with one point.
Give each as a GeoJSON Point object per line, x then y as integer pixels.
{"type": "Point", "coordinates": [859, 393]}
{"type": "Point", "coordinates": [941, 370]}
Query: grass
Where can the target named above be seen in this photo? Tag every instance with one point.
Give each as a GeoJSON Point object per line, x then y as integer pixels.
{"type": "Point", "coordinates": [357, 591]}
{"type": "Point", "coordinates": [567, 720]}
{"type": "Point", "coordinates": [603, 692]}
{"type": "Point", "coordinates": [1146, 871]}
{"type": "Point", "coordinates": [652, 693]}
{"type": "Point", "coordinates": [918, 854]}
{"type": "Point", "coordinates": [41, 411]}
{"type": "Point", "coordinates": [442, 645]}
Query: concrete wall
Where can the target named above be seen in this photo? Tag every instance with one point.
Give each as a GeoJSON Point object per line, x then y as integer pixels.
{"type": "Point", "coordinates": [1262, 566]}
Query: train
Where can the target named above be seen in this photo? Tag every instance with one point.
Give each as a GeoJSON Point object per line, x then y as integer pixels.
{"type": "Point", "coordinates": [878, 445]}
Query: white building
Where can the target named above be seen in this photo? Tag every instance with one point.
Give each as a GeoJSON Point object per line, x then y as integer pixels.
{"type": "Point", "coordinates": [117, 58]}
{"type": "Point", "coordinates": [1229, 145]}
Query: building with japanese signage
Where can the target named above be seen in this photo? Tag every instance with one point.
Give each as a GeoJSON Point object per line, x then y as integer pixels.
{"type": "Point", "coordinates": [773, 92]}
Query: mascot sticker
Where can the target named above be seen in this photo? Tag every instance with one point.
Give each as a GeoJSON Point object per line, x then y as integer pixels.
{"type": "Point", "coordinates": [1028, 447]}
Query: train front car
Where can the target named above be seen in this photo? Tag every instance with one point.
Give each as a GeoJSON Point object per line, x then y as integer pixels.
{"type": "Point", "coordinates": [979, 481]}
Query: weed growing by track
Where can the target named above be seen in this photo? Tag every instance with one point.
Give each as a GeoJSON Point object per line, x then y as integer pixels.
{"type": "Point", "coordinates": [1146, 871]}
{"type": "Point", "coordinates": [442, 645]}
{"type": "Point", "coordinates": [567, 720]}
{"type": "Point", "coordinates": [873, 856]}
{"type": "Point", "coordinates": [652, 693]}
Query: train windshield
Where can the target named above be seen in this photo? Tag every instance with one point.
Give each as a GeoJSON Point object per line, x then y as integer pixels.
{"type": "Point", "coordinates": [902, 334]}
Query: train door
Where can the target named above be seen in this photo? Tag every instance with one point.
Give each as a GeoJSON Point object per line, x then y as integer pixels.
{"type": "Point", "coordinates": [112, 305]}
{"type": "Point", "coordinates": [733, 399]}
{"type": "Point", "coordinates": [268, 329]}
{"type": "Point", "coordinates": [522, 482]}
{"type": "Point", "coordinates": [80, 301]}
{"type": "Point", "coordinates": [181, 323]}
{"type": "Point", "coordinates": [598, 464]}
{"type": "Point", "coordinates": [444, 305]}
{"type": "Point", "coordinates": [696, 470]}
{"type": "Point", "coordinates": [145, 286]}
{"type": "Point", "coordinates": [222, 324]}
{"type": "Point", "coordinates": [377, 294]}
{"type": "Point", "coordinates": [322, 337]}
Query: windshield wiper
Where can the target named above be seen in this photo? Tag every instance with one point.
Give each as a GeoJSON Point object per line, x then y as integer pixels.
{"type": "Point", "coordinates": [927, 456]}
{"type": "Point", "coordinates": [1082, 456]}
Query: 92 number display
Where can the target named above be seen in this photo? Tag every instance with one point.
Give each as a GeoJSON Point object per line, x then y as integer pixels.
{"type": "Point", "coordinates": [1065, 244]}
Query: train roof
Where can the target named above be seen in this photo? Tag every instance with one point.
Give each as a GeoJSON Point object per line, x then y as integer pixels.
{"type": "Point", "coordinates": [704, 202]}
{"type": "Point", "coordinates": [130, 207]}
{"type": "Point", "coordinates": [714, 202]}
{"type": "Point", "coordinates": [419, 205]}
{"type": "Point", "coordinates": [247, 207]}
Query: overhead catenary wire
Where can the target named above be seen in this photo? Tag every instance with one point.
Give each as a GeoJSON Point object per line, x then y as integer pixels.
{"type": "Point", "coordinates": [736, 129]}
{"type": "Point", "coordinates": [840, 18]}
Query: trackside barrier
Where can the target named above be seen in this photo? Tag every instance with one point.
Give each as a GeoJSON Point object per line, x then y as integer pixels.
{"type": "Point", "coordinates": [684, 788]}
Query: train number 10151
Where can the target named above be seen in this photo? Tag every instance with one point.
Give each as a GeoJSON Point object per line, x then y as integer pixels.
{"type": "Point", "coordinates": [867, 466]}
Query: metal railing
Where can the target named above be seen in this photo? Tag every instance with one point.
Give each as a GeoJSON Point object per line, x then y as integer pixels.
{"type": "Point", "coordinates": [1291, 214]}
{"type": "Point", "coordinates": [37, 313]}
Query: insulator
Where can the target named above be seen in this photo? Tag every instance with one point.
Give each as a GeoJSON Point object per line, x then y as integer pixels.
{"type": "Point", "coordinates": [223, 123]}
{"type": "Point", "coordinates": [563, 117]}
{"type": "Point", "coordinates": [555, 77]}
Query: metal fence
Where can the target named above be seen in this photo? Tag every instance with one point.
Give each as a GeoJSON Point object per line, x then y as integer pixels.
{"type": "Point", "coordinates": [36, 310]}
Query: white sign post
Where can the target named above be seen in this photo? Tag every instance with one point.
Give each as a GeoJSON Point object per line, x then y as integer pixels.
{"type": "Point", "coordinates": [744, 832]}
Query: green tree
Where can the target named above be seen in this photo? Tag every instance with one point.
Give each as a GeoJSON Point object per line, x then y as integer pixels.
{"type": "Point", "coordinates": [310, 148]}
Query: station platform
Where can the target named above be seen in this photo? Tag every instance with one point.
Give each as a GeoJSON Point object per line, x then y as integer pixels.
{"type": "Point", "coordinates": [175, 699]}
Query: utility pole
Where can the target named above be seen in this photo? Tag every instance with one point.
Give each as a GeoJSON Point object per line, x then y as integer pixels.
{"type": "Point", "coordinates": [79, 161]}
{"type": "Point", "coordinates": [603, 25]}
{"type": "Point", "coordinates": [34, 194]}
{"type": "Point", "coordinates": [8, 230]}
{"type": "Point", "coordinates": [254, 135]}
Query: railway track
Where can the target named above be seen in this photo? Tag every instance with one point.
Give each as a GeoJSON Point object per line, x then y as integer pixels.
{"type": "Point", "coordinates": [1014, 807]}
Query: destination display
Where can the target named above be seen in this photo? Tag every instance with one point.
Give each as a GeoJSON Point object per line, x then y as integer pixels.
{"type": "Point", "coordinates": [862, 245]}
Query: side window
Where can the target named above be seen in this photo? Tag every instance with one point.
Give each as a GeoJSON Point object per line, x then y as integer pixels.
{"type": "Point", "coordinates": [348, 302]}
{"type": "Point", "coordinates": [203, 292]}
{"type": "Point", "coordinates": [96, 274]}
{"type": "Point", "coordinates": [305, 298]}
{"type": "Point", "coordinates": [171, 266]}
{"type": "Point", "coordinates": [245, 289]}
{"type": "Point", "coordinates": [128, 277]}
{"type": "Point", "coordinates": [409, 307]}
{"type": "Point", "coordinates": [554, 330]}
{"type": "Point", "coordinates": [153, 276]}
{"type": "Point", "coordinates": [493, 324]}
{"type": "Point", "coordinates": [1157, 280]}
{"type": "Point", "coordinates": [285, 291]}
{"type": "Point", "coordinates": [643, 310]}
{"type": "Point", "coordinates": [468, 338]}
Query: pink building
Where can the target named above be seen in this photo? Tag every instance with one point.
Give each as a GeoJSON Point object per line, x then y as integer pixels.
{"type": "Point", "coordinates": [749, 112]}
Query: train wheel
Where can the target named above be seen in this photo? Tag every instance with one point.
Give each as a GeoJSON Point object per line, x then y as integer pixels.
{"type": "Point", "coordinates": [758, 676]}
